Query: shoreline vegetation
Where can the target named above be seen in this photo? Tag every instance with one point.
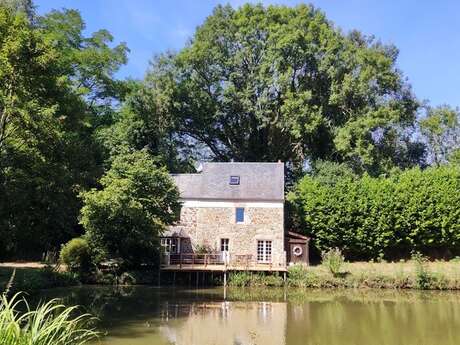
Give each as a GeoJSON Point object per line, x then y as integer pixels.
{"type": "Point", "coordinates": [31, 280]}
{"type": "Point", "coordinates": [418, 273]}
{"type": "Point", "coordinates": [333, 273]}
{"type": "Point", "coordinates": [413, 274]}
{"type": "Point", "coordinates": [51, 323]}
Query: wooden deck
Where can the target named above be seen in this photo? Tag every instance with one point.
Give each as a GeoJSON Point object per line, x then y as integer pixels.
{"type": "Point", "coordinates": [217, 263]}
{"type": "Point", "coordinates": [223, 268]}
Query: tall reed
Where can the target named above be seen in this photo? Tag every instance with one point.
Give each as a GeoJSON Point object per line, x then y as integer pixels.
{"type": "Point", "coordinates": [50, 324]}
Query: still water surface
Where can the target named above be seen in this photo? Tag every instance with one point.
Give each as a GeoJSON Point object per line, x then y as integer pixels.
{"type": "Point", "coordinates": [153, 316]}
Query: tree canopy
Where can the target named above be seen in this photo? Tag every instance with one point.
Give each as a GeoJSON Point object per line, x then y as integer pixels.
{"type": "Point", "coordinates": [266, 83]}
{"type": "Point", "coordinates": [256, 83]}
{"type": "Point", "coordinates": [441, 128]}
{"type": "Point", "coordinates": [125, 218]}
{"type": "Point", "coordinates": [55, 85]}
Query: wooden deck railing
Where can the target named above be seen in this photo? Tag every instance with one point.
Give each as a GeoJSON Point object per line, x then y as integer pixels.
{"type": "Point", "coordinates": [194, 259]}
{"type": "Point", "coordinates": [241, 261]}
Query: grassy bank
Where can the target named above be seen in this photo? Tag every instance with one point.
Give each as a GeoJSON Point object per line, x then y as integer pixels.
{"type": "Point", "coordinates": [413, 274]}
{"type": "Point", "coordinates": [30, 280]}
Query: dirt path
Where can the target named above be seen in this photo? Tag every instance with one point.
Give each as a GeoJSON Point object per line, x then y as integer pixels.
{"type": "Point", "coordinates": [22, 264]}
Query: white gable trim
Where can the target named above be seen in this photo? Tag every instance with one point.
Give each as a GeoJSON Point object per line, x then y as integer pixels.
{"type": "Point", "coordinates": [232, 204]}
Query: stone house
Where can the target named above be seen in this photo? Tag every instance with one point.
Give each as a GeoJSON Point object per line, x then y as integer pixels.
{"type": "Point", "coordinates": [233, 210]}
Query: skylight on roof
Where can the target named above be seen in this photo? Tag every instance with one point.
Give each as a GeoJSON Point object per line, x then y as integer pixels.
{"type": "Point", "coordinates": [234, 180]}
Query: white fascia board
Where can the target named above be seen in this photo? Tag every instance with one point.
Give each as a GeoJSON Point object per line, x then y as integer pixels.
{"type": "Point", "coordinates": [233, 204]}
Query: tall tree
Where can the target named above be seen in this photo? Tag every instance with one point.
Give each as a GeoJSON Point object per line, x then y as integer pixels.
{"type": "Point", "coordinates": [267, 83]}
{"type": "Point", "coordinates": [139, 126]}
{"type": "Point", "coordinates": [47, 119]}
{"type": "Point", "coordinates": [88, 62]}
{"type": "Point", "coordinates": [24, 6]}
{"type": "Point", "coordinates": [29, 127]}
{"type": "Point", "coordinates": [441, 129]}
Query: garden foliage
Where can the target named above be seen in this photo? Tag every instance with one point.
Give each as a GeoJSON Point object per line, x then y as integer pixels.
{"type": "Point", "coordinates": [125, 218]}
{"type": "Point", "coordinates": [76, 254]}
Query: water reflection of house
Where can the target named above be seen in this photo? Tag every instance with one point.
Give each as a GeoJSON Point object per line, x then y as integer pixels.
{"type": "Point", "coordinates": [228, 323]}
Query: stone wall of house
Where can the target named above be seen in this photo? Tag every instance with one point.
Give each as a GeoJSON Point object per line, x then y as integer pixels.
{"type": "Point", "coordinates": [208, 225]}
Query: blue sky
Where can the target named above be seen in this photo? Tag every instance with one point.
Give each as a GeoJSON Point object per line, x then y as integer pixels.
{"type": "Point", "coordinates": [427, 32]}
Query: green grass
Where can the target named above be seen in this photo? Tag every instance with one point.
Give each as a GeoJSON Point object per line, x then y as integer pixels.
{"type": "Point", "coordinates": [50, 324]}
{"type": "Point", "coordinates": [413, 274]}
{"type": "Point", "coordinates": [244, 279]}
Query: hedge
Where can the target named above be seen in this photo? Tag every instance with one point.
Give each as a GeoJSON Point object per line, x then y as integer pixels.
{"type": "Point", "coordinates": [384, 217]}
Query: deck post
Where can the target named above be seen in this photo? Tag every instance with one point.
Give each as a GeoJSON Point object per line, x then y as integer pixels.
{"type": "Point", "coordinates": [284, 278]}
{"type": "Point", "coordinates": [225, 278]}
{"type": "Point", "coordinates": [197, 278]}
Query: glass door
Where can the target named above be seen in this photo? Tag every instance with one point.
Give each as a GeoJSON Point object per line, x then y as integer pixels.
{"type": "Point", "coordinates": [264, 251]}
{"type": "Point", "coordinates": [224, 243]}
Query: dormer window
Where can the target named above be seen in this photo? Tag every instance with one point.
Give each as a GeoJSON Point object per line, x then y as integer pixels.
{"type": "Point", "coordinates": [234, 180]}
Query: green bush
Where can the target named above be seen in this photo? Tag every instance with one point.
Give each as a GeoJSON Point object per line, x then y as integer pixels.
{"type": "Point", "coordinates": [125, 218]}
{"type": "Point", "coordinates": [264, 280]}
{"type": "Point", "coordinates": [300, 276]}
{"type": "Point", "coordinates": [76, 255]}
{"type": "Point", "coordinates": [297, 276]}
{"type": "Point", "coordinates": [375, 217]}
{"type": "Point", "coordinates": [244, 279]}
{"type": "Point", "coordinates": [32, 280]}
{"type": "Point", "coordinates": [333, 260]}
{"type": "Point", "coordinates": [424, 279]}
{"type": "Point", "coordinates": [239, 279]}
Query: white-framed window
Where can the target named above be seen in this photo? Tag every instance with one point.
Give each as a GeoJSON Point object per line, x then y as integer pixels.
{"type": "Point", "coordinates": [264, 251]}
{"type": "Point", "coordinates": [170, 245]}
{"type": "Point", "coordinates": [224, 244]}
{"type": "Point", "coordinates": [239, 215]}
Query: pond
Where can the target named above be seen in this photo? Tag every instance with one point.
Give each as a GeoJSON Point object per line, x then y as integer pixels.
{"type": "Point", "coordinates": [160, 316]}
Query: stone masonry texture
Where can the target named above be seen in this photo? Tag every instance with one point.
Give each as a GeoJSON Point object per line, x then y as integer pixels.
{"type": "Point", "coordinates": [208, 225]}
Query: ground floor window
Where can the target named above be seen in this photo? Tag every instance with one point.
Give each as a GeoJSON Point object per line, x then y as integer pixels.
{"type": "Point", "coordinates": [170, 245]}
{"type": "Point", "coordinates": [264, 251]}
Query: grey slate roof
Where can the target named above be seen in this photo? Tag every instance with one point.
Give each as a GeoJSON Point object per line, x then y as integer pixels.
{"type": "Point", "coordinates": [258, 181]}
